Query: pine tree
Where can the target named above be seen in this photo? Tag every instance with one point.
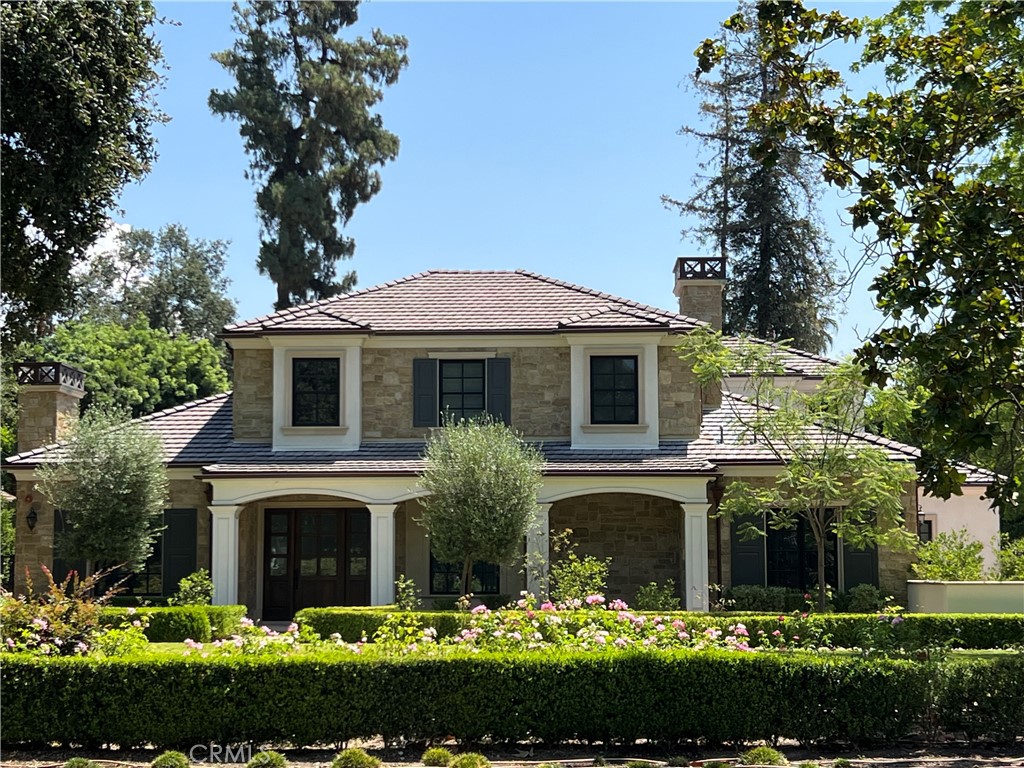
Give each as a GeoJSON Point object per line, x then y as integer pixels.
{"type": "Point", "coordinates": [761, 219]}
{"type": "Point", "coordinates": [304, 98]}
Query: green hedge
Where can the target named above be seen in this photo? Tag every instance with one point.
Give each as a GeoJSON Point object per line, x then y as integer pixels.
{"type": "Point", "coordinates": [321, 698]}
{"type": "Point", "coordinates": [201, 623]}
{"type": "Point", "coordinates": [964, 630]}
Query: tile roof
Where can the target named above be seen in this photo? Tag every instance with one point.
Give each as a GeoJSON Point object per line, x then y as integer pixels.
{"type": "Point", "coordinates": [454, 301]}
{"type": "Point", "coordinates": [794, 361]}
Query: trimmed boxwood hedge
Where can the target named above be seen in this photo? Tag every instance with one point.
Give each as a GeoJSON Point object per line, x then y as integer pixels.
{"type": "Point", "coordinates": [327, 697]}
{"type": "Point", "coordinates": [201, 623]}
{"type": "Point", "coordinates": [957, 630]}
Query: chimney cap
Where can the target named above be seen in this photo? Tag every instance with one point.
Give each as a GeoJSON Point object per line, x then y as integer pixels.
{"type": "Point", "coordinates": [49, 373]}
{"type": "Point", "coordinates": [700, 268]}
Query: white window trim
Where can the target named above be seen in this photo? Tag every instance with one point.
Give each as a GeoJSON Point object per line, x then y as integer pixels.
{"type": "Point", "coordinates": [290, 357]}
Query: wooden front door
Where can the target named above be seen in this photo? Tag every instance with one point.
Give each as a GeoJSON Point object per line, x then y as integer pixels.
{"type": "Point", "coordinates": [313, 558]}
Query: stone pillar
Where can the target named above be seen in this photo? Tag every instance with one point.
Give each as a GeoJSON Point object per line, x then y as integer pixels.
{"type": "Point", "coordinates": [382, 553]}
{"type": "Point", "coordinates": [48, 402]}
{"type": "Point", "coordinates": [537, 553]}
{"type": "Point", "coordinates": [224, 558]}
{"type": "Point", "coordinates": [695, 537]}
{"type": "Point", "coordinates": [700, 281]}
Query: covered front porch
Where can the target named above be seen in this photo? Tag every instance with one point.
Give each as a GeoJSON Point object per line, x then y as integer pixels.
{"type": "Point", "coordinates": [279, 544]}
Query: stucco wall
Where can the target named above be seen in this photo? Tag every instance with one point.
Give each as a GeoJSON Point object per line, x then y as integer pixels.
{"type": "Point", "coordinates": [967, 512]}
{"type": "Point", "coordinates": [253, 395]}
{"type": "Point", "coordinates": [540, 392]}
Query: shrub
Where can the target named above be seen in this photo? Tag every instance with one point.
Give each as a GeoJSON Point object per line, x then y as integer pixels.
{"type": "Point", "coordinates": [657, 598]}
{"type": "Point", "coordinates": [63, 620]}
{"type": "Point", "coordinates": [808, 764]}
{"type": "Point", "coordinates": [354, 757]}
{"type": "Point", "coordinates": [573, 578]}
{"type": "Point", "coordinates": [170, 759]}
{"type": "Point", "coordinates": [225, 620]}
{"type": "Point", "coordinates": [81, 762]}
{"type": "Point", "coordinates": [166, 625]}
{"type": "Point", "coordinates": [950, 557]}
{"type": "Point", "coordinates": [437, 757]}
{"type": "Point", "coordinates": [1010, 559]}
{"type": "Point", "coordinates": [351, 625]}
{"type": "Point", "coordinates": [406, 598]}
{"type": "Point", "coordinates": [194, 589]}
{"type": "Point", "coordinates": [677, 761]}
{"type": "Point", "coordinates": [267, 759]}
{"type": "Point", "coordinates": [763, 756]}
{"type": "Point", "coordinates": [751, 597]}
{"type": "Point", "coordinates": [864, 598]}
{"type": "Point", "coordinates": [470, 760]}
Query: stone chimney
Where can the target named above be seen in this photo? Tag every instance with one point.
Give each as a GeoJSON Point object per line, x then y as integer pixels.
{"type": "Point", "coordinates": [47, 402]}
{"type": "Point", "coordinates": [700, 281]}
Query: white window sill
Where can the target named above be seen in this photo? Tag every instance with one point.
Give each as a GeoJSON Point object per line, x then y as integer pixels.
{"type": "Point", "coordinates": [342, 430]}
{"type": "Point", "coordinates": [613, 429]}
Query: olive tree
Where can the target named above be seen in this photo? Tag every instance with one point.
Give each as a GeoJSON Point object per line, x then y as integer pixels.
{"type": "Point", "coordinates": [482, 481]}
{"type": "Point", "coordinates": [110, 479]}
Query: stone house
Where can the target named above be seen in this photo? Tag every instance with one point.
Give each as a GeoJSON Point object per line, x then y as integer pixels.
{"type": "Point", "coordinates": [299, 487]}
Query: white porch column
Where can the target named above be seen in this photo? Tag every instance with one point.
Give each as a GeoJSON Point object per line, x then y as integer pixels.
{"type": "Point", "coordinates": [224, 557]}
{"type": "Point", "coordinates": [382, 553]}
{"type": "Point", "coordinates": [695, 535]}
{"type": "Point", "coordinates": [537, 552]}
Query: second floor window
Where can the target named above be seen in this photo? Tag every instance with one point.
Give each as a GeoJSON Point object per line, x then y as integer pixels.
{"type": "Point", "coordinates": [462, 388]}
{"type": "Point", "coordinates": [614, 390]}
{"type": "Point", "coordinates": [316, 392]}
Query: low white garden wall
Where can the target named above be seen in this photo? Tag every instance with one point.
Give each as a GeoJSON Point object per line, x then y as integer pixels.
{"type": "Point", "coordinates": [965, 596]}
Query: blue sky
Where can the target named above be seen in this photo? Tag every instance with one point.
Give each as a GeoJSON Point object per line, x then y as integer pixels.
{"type": "Point", "coordinates": [533, 135]}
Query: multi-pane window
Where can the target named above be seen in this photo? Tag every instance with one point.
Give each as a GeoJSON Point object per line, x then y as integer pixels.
{"type": "Point", "coordinates": [446, 578]}
{"type": "Point", "coordinates": [924, 530]}
{"type": "Point", "coordinates": [149, 579]}
{"type": "Point", "coordinates": [316, 392]}
{"type": "Point", "coordinates": [462, 388]}
{"type": "Point", "coordinates": [614, 393]}
{"type": "Point", "coordinates": [792, 558]}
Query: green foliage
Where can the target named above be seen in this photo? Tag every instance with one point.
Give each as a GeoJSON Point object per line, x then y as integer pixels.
{"type": "Point", "coordinates": [864, 598]}
{"type": "Point", "coordinates": [763, 756]}
{"type": "Point", "coordinates": [954, 556]}
{"type": "Point", "coordinates": [303, 97]}
{"type": "Point", "coordinates": [572, 577]}
{"type": "Point", "coordinates": [826, 466]}
{"type": "Point", "coordinates": [175, 282]}
{"type": "Point", "coordinates": [751, 597]}
{"type": "Point", "coordinates": [437, 757]}
{"type": "Point", "coordinates": [931, 160]}
{"type": "Point", "coordinates": [194, 589]}
{"type": "Point", "coordinates": [201, 623]}
{"type": "Point", "coordinates": [81, 762]}
{"type": "Point", "coordinates": [61, 620]}
{"type": "Point", "coordinates": [482, 482]}
{"type": "Point", "coordinates": [170, 759]}
{"type": "Point", "coordinates": [111, 476]}
{"type": "Point", "coordinates": [406, 598]}
{"type": "Point", "coordinates": [355, 758]}
{"type": "Point", "coordinates": [470, 760]}
{"type": "Point", "coordinates": [808, 764]}
{"type": "Point", "coordinates": [601, 696]}
{"type": "Point", "coordinates": [762, 220]}
{"type": "Point", "coordinates": [124, 640]}
{"type": "Point", "coordinates": [657, 598]}
{"type": "Point", "coordinates": [842, 762]}
{"type": "Point", "coordinates": [353, 625]}
{"type": "Point", "coordinates": [70, 147]}
{"type": "Point", "coordinates": [1010, 565]}
{"type": "Point", "coordinates": [7, 511]}
{"type": "Point", "coordinates": [677, 761]}
{"type": "Point", "coordinates": [135, 367]}
{"type": "Point", "coordinates": [267, 759]}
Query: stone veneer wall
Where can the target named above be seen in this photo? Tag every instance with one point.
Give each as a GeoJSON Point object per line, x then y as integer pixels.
{"type": "Point", "coordinates": [679, 395]}
{"type": "Point", "coordinates": [702, 300]}
{"type": "Point", "coordinates": [45, 413]}
{"type": "Point", "coordinates": [252, 408]}
{"type": "Point", "coordinates": [641, 534]}
{"type": "Point", "coordinates": [540, 392]}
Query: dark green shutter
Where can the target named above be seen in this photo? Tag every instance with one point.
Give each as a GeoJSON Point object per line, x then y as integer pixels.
{"type": "Point", "coordinates": [179, 547]}
{"type": "Point", "coordinates": [860, 566]}
{"type": "Point", "coordinates": [424, 392]}
{"type": "Point", "coordinates": [61, 566]}
{"type": "Point", "coordinates": [747, 557]}
{"type": "Point", "coordinates": [499, 389]}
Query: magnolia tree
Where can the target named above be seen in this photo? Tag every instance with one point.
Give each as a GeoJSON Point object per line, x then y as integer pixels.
{"type": "Point", "coordinates": [831, 478]}
{"type": "Point", "coordinates": [482, 481]}
{"type": "Point", "coordinates": [110, 479]}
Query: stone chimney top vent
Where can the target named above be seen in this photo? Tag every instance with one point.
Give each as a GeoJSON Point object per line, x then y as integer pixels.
{"type": "Point", "coordinates": [700, 268]}
{"type": "Point", "coordinates": [50, 373]}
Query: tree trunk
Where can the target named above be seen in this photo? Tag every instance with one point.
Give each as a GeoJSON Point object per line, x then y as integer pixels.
{"type": "Point", "coordinates": [819, 540]}
{"type": "Point", "coordinates": [467, 576]}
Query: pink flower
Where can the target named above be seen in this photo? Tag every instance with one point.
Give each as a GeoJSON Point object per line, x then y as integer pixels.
{"type": "Point", "coordinates": [776, 633]}
{"type": "Point", "coordinates": [679, 624]}
{"type": "Point", "coordinates": [618, 605]}
{"type": "Point", "coordinates": [246, 621]}
{"type": "Point", "coordinates": [897, 620]}
{"type": "Point", "coordinates": [595, 599]}
{"type": "Point", "coordinates": [293, 627]}
{"type": "Point", "coordinates": [480, 609]}
{"type": "Point", "coordinates": [547, 605]}
{"type": "Point", "coordinates": [739, 629]}
{"type": "Point", "coordinates": [621, 642]}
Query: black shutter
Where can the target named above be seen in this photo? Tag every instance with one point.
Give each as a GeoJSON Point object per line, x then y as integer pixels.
{"type": "Point", "coordinates": [860, 566]}
{"type": "Point", "coordinates": [179, 547]}
{"type": "Point", "coordinates": [747, 556]}
{"type": "Point", "coordinates": [61, 566]}
{"type": "Point", "coordinates": [499, 389]}
{"type": "Point", "coordinates": [424, 392]}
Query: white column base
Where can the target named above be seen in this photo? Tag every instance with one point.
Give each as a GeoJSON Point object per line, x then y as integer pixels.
{"type": "Point", "coordinates": [537, 553]}
{"type": "Point", "coordinates": [695, 534]}
{"type": "Point", "coordinates": [224, 555]}
{"type": "Point", "coordinates": [382, 553]}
